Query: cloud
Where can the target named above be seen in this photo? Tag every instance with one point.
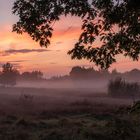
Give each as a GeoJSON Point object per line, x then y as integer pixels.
{"type": "Point", "coordinates": [53, 63]}
{"type": "Point", "coordinates": [62, 35]}
{"type": "Point", "coordinates": [23, 51]}
{"type": "Point", "coordinates": [15, 63]}
{"type": "Point", "coordinates": [58, 50]}
{"type": "Point", "coordinates": [59, 42]}
{"type": "Point", "coordinates": [18, 61]}
{"type": "Point", "coordinates": [82, 65]}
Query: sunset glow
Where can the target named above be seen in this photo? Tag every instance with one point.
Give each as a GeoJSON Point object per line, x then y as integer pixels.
{"type": "Point", "coordinates": [52, 60]}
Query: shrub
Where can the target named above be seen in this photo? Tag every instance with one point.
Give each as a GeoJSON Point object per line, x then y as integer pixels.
{"type": "Point", "coordinates": [135, 109]}
{"type": "Point", "coordinates": [119, 87]}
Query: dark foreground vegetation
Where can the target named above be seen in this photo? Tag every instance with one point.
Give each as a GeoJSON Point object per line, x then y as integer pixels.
{"type": "Point", "coordinates": [121, 88]}
{"type": "Point", "coordinates": [69, 113]}
{"type": "Point", "coordinates": [77, 121]}
{"type": "Point", "coordinates": [66, 115]}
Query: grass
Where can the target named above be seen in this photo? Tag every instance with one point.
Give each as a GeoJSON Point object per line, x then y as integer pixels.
{"type": "Point", "coordinates": [79, 121]}
{"type": "Point", "coordinates": [24, 117]}
{"type": "Point", "coordinates": [120, 88]}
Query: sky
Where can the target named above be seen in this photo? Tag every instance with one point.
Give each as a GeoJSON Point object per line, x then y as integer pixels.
{"type": "Point", "coordinates": [27, 55]}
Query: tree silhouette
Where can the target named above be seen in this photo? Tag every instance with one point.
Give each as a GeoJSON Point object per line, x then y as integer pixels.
{"type": "Point", "coordinates": [83, 73]}
{"type": "Point", "coordinates": [37, 75]}
{"type": "Point", "coordinates": [34, 75]}
{"type": "Point", "coordinates": [115, 22]}
{"type": "Point", "coordinates": [8, 75]}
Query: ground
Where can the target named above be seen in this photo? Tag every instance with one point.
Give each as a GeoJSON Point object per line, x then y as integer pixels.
{"type": "Point", "coordinates": [65, 114]}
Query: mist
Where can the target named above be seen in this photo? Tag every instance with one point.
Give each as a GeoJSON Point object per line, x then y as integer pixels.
{"type": "Point", "coordinates": [94, 86]}
{"type": "Point", "coordinates": [29, 97]}
{"type": "Point", "coordinates": [82, 84]}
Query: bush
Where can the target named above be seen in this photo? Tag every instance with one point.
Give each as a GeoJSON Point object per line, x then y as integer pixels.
{"type": "Point", "coordinates": [135, 109]}
{"type": "Point", "coordinates": [119, 87]}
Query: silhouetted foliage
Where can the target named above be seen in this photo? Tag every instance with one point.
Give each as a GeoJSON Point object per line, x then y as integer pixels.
{"type": "Point", "coordinates": [119, 87]}
{"type": "Point", "coordinates": [84, 73]}
{"type": "Point", "coordinates": [133, 74]}
{"type": "Point", "coordinates": [135, 109]}
{"type": "Point", "coordinates": [60, 78]}
{"type": "Point", "coordinates": [114, 73]}
{"type": "Point", "coordinates": [34, 75]}
{"type": "Point", "coordinates": [122, 129]}
{"type": "Point", "coordinates": [8, 75]}
{"type": "Point", "coordinates": [115, 22]}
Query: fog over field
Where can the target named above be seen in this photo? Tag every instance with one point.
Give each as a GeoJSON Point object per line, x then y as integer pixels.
{"type": "Point", "coordinates": [83, 88]}
{"type": "Point", "coordinates": [36, 97]}
{"type": "Point", "coordinates": [30, 92]}
{"type": "Point", "coordinates": [95, 86]}
{"type": "Point", "coordinates": [85, 97]}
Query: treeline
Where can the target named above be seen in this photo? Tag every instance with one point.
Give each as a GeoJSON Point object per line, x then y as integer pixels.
{"type": "Point", "coordinates": [10, 75]}
{"type": "Point", "coordinates": [82, 73]}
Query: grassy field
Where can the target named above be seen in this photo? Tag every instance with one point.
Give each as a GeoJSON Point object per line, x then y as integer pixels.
{"type": "Point", "coordinates": [63, 114]}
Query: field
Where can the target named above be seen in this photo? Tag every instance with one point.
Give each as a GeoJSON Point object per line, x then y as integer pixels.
{"type": "Point", "coordinates": [65, 114]}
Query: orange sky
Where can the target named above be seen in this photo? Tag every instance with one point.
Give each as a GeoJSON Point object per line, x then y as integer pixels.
{"type": "Point", "coordinates": [53, 60]}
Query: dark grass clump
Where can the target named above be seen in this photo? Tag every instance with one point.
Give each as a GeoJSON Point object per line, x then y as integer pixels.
{"type": "Point", "coordinates": [120, 88]}
{"type": "Point", "coordinates": [135, 108]}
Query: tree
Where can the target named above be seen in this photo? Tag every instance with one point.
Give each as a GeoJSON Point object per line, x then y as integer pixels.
{"type": "Point", "coordinates": [115, 22]}
{"type": "Point", "coordinates": [84, 73]}
{"type": "Point", "coordinates": [119, 87]}
{"type": "Point", "coordinates": [34, 75]}
{"type": "Point", "coordinates": [8, 75]}
{"type": "Point", "coordinates": [38, 75]}
{"type": "Point", "coordinates": [114, 72]}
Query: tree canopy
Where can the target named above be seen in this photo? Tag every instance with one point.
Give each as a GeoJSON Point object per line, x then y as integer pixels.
{"type": "Point", "coordinates": [8, 75]}
{"type": "Point", "coordinates": [116, 23]}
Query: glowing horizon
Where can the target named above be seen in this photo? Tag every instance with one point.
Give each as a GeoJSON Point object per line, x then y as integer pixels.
{"type": "Point", "coordinates": [26, 54]}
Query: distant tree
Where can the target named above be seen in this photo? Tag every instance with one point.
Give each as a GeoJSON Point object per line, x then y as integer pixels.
{"type": "Point", "coordinates": [114, 72]}
{"type": "Point", "coordinates": [37, 75]}
{"type": "Point", "coordinates": [25, 75]}
{"type": "Point", "coordinates": [119, 87]}
{"type": "Point", "coordinates": [84, 73]}
{"type": "Point", "coordinates": [133, 75]}
{"type": "Point", "coordinates": [8, 75]}
{"type": "Point", "coordinates": [34, 75]}
{"type": "Point", "coordinates": [59, 78]}
{"type": "Point", "coordinates": [104, 73]}
{"type": "Point", "coordinates": [76, 72]}
{"type": "Point", "coordinates": [115, 22]}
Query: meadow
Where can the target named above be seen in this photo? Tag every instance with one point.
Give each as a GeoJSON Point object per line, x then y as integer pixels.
{"type": "Point", "coordinates": [65, 114]}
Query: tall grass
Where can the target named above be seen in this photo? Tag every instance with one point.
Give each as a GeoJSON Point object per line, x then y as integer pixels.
{"type": "Point", "coordinates": [119, 87]}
